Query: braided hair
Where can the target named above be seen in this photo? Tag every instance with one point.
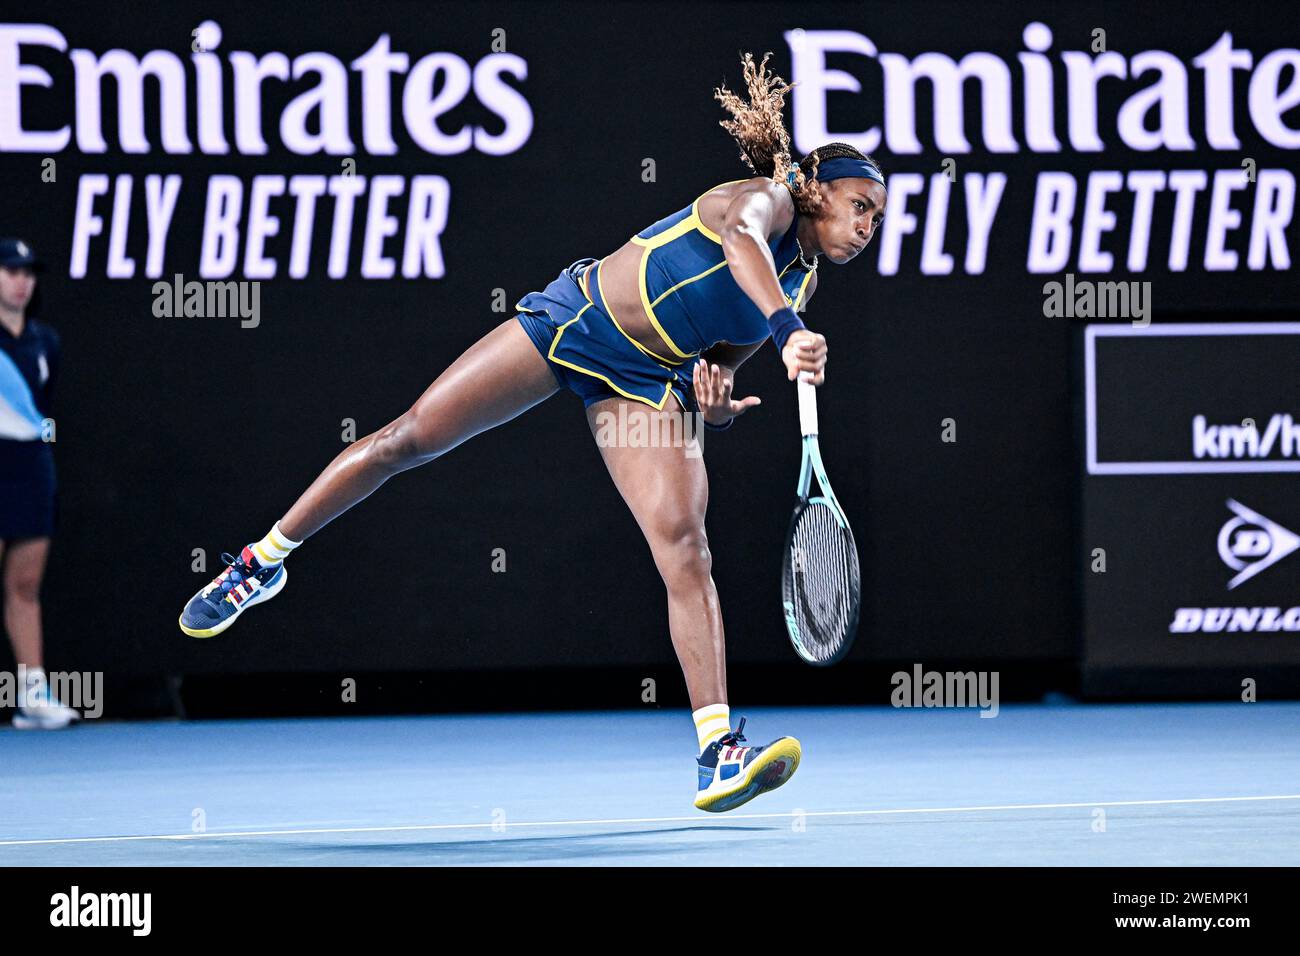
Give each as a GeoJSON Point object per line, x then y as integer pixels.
{"type": "Point", "coordinates": [758, 128]}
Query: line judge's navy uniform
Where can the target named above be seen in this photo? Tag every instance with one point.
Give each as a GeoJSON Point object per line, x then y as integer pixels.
{"type": "Point", "coordinates": [29, 364]}
{"type": "Point", "coordinates": [687, 292]}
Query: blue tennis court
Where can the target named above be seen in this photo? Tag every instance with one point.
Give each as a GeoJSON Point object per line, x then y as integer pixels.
{"type": "Point", "coordinates": [1063, 784]}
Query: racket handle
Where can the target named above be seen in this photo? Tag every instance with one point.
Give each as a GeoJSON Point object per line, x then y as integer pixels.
{"type": "Point", "coordinates": [807, 404]}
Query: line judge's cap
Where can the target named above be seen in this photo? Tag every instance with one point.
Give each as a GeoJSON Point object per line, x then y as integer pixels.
{"type": "Point", "coordinates": [15, 253]}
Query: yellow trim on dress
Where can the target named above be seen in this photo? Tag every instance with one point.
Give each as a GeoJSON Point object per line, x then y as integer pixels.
{"type": "Point", "coordinates": [610, 312]}
{"type": "Point", "coordinates": [798, 299]}
{"type": "Point", "coordinates": [691, 223]}
{"type": "Point", "coordinates": [711, 269]}
{"type": "Point", "coordinates": [668, 388]}
{"type": "Point", "coordinates": [695, 210]}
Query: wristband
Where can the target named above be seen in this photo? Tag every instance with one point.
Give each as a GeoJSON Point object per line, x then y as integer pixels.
{"type": "Point", "coordinates": [782, 322]}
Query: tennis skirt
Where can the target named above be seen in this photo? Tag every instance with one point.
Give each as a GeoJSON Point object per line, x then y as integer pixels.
{"type": "Point", "coordinates": [588, 353]}
{"type": "Point", "coordinates": [26, 490]}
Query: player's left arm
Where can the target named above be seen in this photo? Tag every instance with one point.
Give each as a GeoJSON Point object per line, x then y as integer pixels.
{"type": "Point", "coordinates": [715, 375]}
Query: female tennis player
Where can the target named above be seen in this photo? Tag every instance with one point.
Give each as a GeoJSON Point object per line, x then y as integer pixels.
{"type": "Point", "coordinates": [657, 328]}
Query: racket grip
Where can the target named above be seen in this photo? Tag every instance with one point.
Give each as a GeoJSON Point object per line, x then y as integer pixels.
{"type": "Point", "coordinates": [807, 404]}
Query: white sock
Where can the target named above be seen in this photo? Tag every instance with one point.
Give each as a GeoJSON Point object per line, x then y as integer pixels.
{"type": "Point", "coordinates": [275, 547]}
{"type": "Point", "coordinates": [711, 722]}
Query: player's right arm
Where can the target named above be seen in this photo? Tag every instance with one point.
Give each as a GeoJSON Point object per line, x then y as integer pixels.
{"type": "Point", "coordinates": [761, 211]}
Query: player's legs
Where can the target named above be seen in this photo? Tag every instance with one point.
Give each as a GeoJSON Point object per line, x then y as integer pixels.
{"type": "Point", "coordinates": [667, 490]}
{"type": "Point", "coordinates": [497, 378]}
{"type": "Point", "coordinates": [23, 564]}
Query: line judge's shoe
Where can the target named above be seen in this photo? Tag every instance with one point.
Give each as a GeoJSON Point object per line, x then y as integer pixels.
{"type": "Point", "coordinates": [41, 710]}
{"type": "Point", "coordinates": [242, 584]}
{"type": "Point", "coordinates": [732, 773]}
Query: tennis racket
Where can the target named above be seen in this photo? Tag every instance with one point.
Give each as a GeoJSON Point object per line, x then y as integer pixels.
{"type": "Point", "coordinates": [821, 588]}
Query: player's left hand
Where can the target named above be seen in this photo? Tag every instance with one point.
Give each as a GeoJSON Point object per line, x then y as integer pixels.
{"type": "Point", "coordinates": [713, 385]}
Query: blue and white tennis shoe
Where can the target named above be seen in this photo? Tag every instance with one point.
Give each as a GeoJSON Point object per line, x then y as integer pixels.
{"type": "Point", "coordinates": [243, 583]}
{"type": "Point", "coordinates": [732, 773]}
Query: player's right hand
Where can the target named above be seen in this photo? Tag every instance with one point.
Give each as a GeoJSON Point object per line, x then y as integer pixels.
{"type": "Point", "coordinates": [805, 351]}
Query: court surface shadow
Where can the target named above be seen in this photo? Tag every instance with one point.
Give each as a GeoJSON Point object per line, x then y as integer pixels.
{"type": "Point", "coordinates": [502, 848]}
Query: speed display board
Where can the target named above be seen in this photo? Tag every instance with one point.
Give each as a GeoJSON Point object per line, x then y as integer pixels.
{"type": "Point", "coordinates": [1191, 521]}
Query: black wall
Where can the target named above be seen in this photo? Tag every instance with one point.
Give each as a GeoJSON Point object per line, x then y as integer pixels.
{"type": "Point", "coordinates": [184, 433]}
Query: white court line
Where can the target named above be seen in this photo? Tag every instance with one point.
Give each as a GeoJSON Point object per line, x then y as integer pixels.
{"type": "Point", "coordinates": [691, 819]}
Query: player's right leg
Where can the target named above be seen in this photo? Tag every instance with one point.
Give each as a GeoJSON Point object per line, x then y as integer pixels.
{"type": "Point", "coordinates": [667, 491]}
{"type": "Point", "coordinates": [496, 379]}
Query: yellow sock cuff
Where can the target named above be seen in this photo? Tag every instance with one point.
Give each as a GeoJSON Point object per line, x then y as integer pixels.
{"type": "Point", "coordinates": [275, 547]}
{"type": "Point", "coordinates": [711, 722]}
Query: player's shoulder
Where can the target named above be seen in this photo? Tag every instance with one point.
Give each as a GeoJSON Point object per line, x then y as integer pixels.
{"type": "Point", "coordinates": [775, 198]}
{"type": "Point", "coordinates": [755, 185]}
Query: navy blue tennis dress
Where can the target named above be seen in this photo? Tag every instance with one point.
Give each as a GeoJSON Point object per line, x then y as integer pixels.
{"type": "Point", "coordinates": [688, 294]}
{"type": "Point", "coordinates": [29, 365]}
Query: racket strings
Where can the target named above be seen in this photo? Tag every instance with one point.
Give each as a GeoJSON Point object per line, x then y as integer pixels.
{"type": "Point", "coordinates": [824, 568]}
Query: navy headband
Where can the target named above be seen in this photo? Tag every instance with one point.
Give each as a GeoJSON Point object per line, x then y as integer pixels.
{"type": "Point", "coordinates": [845, 167]}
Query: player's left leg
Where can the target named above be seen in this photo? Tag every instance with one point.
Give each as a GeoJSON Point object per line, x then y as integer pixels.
{"type": "Point", "coordinates": [667, 489]}
{"type": "Point", "coordinates": [23, 569]}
